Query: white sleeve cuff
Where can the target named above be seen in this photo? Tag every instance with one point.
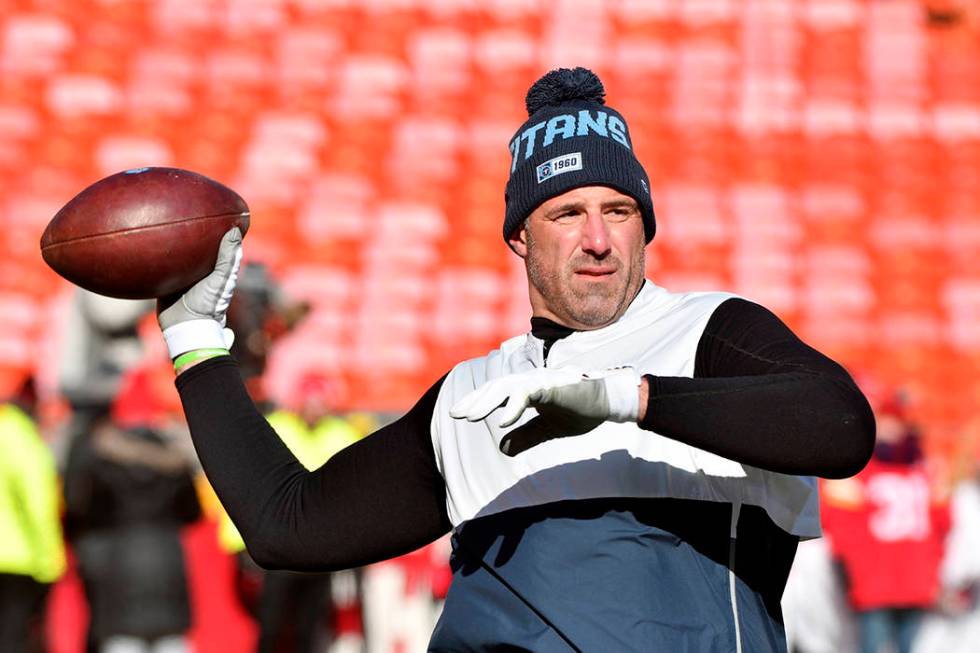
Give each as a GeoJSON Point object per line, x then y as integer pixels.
{"type": "Point", "coordinates": [195, 334]}
{"type": "Point", "coordinates": [623, 394]}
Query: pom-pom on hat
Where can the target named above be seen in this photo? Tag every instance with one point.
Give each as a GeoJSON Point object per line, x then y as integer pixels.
{"type": "Point", "coordinates": [572, 139]}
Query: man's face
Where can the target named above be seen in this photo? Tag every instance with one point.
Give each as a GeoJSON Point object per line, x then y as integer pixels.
{"type": "Point", "coordinates": [584, 255]}
{"type": "Point", "coordinates": [890, 429]}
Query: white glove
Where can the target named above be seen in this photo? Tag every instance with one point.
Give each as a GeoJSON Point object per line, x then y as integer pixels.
{"type": "Point", "coordinates": [196, 319]}
{"type": "Point", "coordinates": [608, 395]}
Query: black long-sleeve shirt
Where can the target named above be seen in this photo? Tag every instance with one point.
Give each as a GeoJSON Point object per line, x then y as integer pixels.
{"type": "Point", "coordinates": [783, 406]}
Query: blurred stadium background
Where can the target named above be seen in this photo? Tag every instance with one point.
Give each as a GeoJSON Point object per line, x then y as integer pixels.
{"type": "Point", "coordinates": [821, 157]}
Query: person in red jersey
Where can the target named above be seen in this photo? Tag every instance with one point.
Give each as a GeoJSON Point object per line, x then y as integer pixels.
{"type": "Point", "coordinates": [887, 528]}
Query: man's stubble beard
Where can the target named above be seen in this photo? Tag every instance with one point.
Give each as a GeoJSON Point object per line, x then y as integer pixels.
{"type": "Point", "coordinates": [593, 306]}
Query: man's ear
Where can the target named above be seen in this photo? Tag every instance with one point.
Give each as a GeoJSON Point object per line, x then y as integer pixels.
{"type": "Point", "coordinates": [518, 241]}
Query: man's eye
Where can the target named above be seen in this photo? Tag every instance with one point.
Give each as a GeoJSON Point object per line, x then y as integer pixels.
{"type": "Point", "coordinates": [619, 214]}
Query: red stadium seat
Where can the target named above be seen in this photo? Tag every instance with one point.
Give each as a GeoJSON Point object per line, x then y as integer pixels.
{"type": "Point", "coordinates": [174, 17]}
{"type": "Point", "coordinates": [73, 96]}
{"type": "Point", "coordinates": [19, 122]}
{"type": "Point", "coordinates": [505, 51]}
{"type": "Point", "coordinates": [370, 86]}
{"type": "Point", "coordinates": [120, 152]}
{"type": "Point", "coordinates": [305, 55]}
{"type": "Point", "coordinates": [440, 59]}
{"type": "Point", "coordinates": [35, 44]}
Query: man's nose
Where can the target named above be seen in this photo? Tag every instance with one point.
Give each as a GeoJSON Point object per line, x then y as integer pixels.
{"type": "Point", "coordinates": [595, 235]}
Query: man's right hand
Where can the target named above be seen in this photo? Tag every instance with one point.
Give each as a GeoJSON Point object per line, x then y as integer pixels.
{"type": "Point", "coordinates": [195, 319]}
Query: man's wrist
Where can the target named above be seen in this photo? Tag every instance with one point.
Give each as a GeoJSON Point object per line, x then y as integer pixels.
{"type": "Point", "coordinates": [189, 359]}
{"type": "Point", "coordinates": [644, 390]}
{"type": "Point", "coordinates": [204, 333]}
{"type": "Point", "coordinates": [620, 385]}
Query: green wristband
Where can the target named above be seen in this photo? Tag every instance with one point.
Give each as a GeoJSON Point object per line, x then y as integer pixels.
{"type": "Point", "coordinates": [197, 355]}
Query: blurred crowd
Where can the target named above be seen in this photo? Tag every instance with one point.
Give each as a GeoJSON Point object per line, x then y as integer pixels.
{"type": "Point", "coordinates": [115, 485]}
{"type": "Point", "coordinates": [105, 498]}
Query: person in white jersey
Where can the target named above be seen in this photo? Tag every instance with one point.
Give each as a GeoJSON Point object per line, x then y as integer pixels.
{"type": "Point", "coordinates": [632, 474]}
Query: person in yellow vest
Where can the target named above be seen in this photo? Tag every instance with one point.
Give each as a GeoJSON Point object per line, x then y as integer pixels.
{"type": "Point", "coordinates": [32, 551]}
{"type": "Point", "coordinates": [290, 607]}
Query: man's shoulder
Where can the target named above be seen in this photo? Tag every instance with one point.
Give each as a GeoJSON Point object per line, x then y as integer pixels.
{"type": "Point", "coordinates": [656, 302]}
{"type": "Point", "coordinates": [690, 297]}
{"type": "Point", "coordinates": [477, 369]}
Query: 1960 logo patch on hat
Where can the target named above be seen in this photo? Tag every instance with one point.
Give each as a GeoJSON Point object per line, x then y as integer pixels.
{"type": "Point", "coordinates": [558, 165]}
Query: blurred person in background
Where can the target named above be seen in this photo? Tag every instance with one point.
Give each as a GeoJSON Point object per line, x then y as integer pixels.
{"type": "Point", "coordinates": [292, 608]}
{"type": "Point", "coordinates": [955, 627]}
{"type": "Point", "coordinates": [818, 619]}
{"type": "Point", "coordinates": [32, 553]}
{"type": "Point", "coordinates": [260, 313]}
{"type": "Point", "coordinates": [129, 490]}
{"type": "Point", "coordinates": [403, 598]}
{"type": "Point", "coordinates": [887, 528]}
{"type": "Point", "coordinates": [100, 344]}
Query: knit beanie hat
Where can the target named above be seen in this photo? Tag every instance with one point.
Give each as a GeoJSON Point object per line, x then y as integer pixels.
{"type": "Point", "coordinates": [571, 139]}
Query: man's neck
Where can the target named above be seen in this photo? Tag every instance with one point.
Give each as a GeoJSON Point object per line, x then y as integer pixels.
{"type": "Point", "coordinates": [546, 329]}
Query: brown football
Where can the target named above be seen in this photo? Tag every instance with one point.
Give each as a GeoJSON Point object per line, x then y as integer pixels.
{"type": "Point", "coordinates": [142, 233]}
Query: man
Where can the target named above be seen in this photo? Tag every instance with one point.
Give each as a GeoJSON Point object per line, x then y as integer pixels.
{"type": "Point", "coordinates": [633, 474]}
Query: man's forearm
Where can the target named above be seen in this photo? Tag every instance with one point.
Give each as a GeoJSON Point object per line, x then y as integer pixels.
{"type": "Point", "coordinates": [792, 423]}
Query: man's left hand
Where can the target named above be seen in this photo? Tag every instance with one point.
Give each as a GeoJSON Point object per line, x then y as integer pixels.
{"type": "Point", "coordinates": [607, 395]}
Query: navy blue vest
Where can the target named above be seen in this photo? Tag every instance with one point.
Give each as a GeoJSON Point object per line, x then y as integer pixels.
{"type": "Point", "coordinates": [617, 575]}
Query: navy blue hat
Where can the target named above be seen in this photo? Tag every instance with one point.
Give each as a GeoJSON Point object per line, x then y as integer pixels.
{"type": "Point", "coordinates": [572, 139]}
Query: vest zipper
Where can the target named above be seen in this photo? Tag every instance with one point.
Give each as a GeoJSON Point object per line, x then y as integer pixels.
{"type": "Point", "coordinates": [736, 509]}
{"type": "Point", "coordinates": [545, 350]}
